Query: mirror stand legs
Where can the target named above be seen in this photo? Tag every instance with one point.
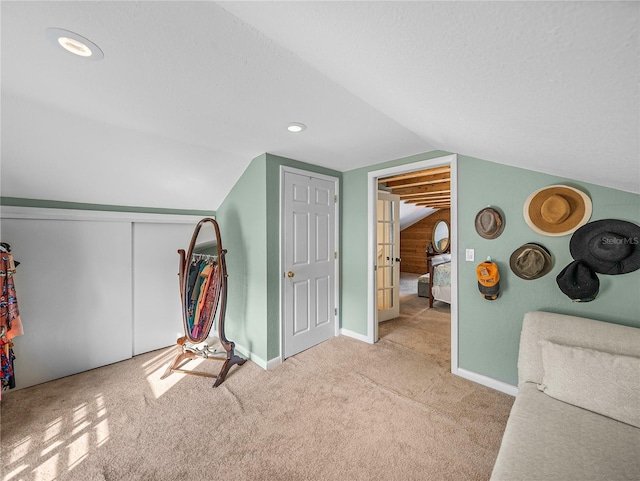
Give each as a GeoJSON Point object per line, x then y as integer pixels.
{"type": "Point", "coordinates": [186, 355]}
{"type": "Point", "coordinates": [225, 368]}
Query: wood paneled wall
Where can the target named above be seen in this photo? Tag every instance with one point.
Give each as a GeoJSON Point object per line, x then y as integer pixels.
{"type": "Point", "coordinates": [414, 240]}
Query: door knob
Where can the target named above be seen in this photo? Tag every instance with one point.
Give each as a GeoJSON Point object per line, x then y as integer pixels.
{"type": "Point", "coordinates": [398, 259]}
{"type": "Point", "coordinates": [290, 274]}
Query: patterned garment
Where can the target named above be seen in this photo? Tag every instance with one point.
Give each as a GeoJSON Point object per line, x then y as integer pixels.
{"type": "Point", "coordinates": [442, 274]}
{"type": "Point", "coordinates": [195, 294]}
{"type": "Point", "coordinates": [6, 363]}
{"type": "Point", "coordinates": [9, 313]}
{"type": "Point", "coordinates": [10, 323]}
{"type": "Point", "coordinates": [210, 303]}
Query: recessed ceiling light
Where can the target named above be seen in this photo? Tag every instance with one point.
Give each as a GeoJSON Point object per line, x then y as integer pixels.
{"type": "Point", "coordinates": [74, 43]}
{"type": "Point", "coordinates": [296, 127]}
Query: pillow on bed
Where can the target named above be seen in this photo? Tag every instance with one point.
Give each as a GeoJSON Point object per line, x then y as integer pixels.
{"type": "Point", "coordinates": [608, 384]}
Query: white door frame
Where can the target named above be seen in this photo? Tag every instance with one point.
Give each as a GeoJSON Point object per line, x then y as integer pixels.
{"type": "Point", "coordinates": [372, 196]}
{"type": "Point", "coordinates": [283, 279]}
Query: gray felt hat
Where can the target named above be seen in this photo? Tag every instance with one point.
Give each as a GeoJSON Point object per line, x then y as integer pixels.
{"type": "Point", "coordinates": [489, 223]}
{"type": "Point", "coordinates": [531, 261]}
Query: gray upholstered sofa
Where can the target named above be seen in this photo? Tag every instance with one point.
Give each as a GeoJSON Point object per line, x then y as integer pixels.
{"type": "Point", "coordinates": [577, 379]}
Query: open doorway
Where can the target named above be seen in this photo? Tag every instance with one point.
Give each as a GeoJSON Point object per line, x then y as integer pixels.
{"type": "Point", "coordinates": [408, 182]}
{"type": "Point", "coordinates": [420, 278]}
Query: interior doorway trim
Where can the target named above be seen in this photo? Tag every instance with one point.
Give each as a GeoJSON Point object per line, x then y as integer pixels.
{"type": "Point", "coordinates": [372, 196]}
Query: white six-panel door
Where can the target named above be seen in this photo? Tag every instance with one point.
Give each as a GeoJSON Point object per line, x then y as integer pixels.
{"type": "Point", "coordinates": [309, 253]}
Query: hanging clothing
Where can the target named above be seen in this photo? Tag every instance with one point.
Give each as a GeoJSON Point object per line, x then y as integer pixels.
{"type": "Point", "coordinates": [9, 313]}
{"type": "Point", "coordinates": [210, 300]}
{"type": "Point", "coordinates": [194, 270]}
{"type": "Point", "coordinates": [10, 322]}
{"type": "Point", "coordinates": [195, 296]}
{"type": "Point", "coordinates": [7, 378]}
{"type": "Point", "coordinates": [205, 277]}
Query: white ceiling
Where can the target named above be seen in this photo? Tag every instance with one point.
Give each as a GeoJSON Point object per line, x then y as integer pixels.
{"type": "Point", "coordinates": [189, 92]}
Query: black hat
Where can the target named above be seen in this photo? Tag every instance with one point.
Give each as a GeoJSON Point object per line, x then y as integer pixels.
{"type": "Point", "coordinates": [531, 261]}
{"type": "Point", "coordinates": [578, 282]}
{"type": "Point", "coordinates": [608, 246]}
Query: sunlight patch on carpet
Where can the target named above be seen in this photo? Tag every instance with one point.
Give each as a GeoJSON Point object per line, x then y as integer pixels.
{"type": "Point", "coordinates": [155, 369]}
{"type": "Point", "coordinates": [62, 444]}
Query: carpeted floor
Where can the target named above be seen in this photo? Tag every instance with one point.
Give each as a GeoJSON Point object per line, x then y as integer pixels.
{"type": "Point", "coordinates": [341, 410]}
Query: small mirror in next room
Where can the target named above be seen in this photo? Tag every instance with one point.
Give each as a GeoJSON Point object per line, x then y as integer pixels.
{"type": "Point", "coordinates": [441, 236]}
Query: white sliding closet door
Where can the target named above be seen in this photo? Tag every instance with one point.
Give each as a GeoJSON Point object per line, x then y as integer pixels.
{"type": "Point", "coordinates": [157, 315]}
{"type": "Point", "coordinates": [74, 294]}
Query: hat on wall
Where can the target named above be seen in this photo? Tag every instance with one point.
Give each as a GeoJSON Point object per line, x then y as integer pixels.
{"type": "Point", "coordinates": [608, 246]}
{"type": "Point", "coordinates": [489, 223]}
{"type": "Point", "coordinates": [557, 210]}
{"type": "Point", "coordinates": [531, 261]}
{"type": "Point", "coordinates": [578, 282]}
{"type": "Point", "coordinates": [488, 280]}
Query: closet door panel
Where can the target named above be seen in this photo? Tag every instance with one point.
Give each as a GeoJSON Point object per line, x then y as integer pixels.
{"type": "Point", "coordinates": [74, 293]}
{"type": "Point", "coordinates": [157, 318]}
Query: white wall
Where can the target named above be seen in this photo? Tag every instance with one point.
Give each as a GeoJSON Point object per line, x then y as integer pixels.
{"type": "Point", "coordinates": [93, 288]}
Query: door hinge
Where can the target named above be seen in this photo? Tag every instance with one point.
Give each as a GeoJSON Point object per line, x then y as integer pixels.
{"type": "Point", "coordinates": [335, 198]}
{"type": "Point", "coordinates": [335, 311]}
{"type": "Point", "coordinates": [335, 255]}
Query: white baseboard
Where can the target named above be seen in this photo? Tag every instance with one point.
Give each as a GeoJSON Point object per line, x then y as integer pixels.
{"type": "Point", "coordinates": [355, 335]}
{"type": "Point", "coordinates": [247, 354]}
{"type": "Point", "coordinates": [266, 365]}
{"type": "Point", "coordinates": [271, 363]}
{"type": "Point", "coordinates": [487, 381]}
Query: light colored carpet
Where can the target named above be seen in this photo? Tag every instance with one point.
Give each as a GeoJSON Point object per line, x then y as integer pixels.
{"type": "Point", "coordinates": [341, 410]}
{"type": "Point", "coordinates": [408, 284]}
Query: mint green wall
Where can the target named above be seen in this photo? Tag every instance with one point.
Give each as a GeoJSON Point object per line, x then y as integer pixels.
{"type": "Point", "coordinates": [56, 204]}
{"type": "Point", "coordinates": [489, 331]}
{"type": "Point", "coordinates": [243, 226]}
{"type": "Point", "coordinates": [249, 221]}
{"type": "Point", "coordinates": [353, 268]}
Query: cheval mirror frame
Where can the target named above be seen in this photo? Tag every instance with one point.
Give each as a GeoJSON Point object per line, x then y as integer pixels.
{"type": "Point", "coordinates": [215, 300]}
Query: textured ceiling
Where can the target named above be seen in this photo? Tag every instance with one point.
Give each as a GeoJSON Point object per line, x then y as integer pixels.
{"type": "Point", "coordinates": [189, 92]}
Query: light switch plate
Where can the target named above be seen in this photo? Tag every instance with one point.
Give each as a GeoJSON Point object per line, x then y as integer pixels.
{"type": "Point", "coordinates": [470, 255]}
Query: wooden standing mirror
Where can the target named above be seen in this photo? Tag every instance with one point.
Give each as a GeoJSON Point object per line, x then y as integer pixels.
{"type": "Point", "coordinates": [440, 237]}
{"type": "Point", "coordinates": [203, 293]}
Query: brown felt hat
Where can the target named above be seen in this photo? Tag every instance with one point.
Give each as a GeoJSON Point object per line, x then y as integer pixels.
{"type": "Point", "coordinates": [489, 223]}
{"type": "Point", "coordinates": [557, 210]}
{"type": "Point", "coordinates": [530, 261]}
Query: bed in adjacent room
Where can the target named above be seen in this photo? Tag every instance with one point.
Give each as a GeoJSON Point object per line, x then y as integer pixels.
{"type": "Point", "coordinates": [440, 278]}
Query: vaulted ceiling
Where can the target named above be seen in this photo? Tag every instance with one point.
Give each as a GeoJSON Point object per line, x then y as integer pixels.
{"type": "Point", "coordinates": [189, 92]}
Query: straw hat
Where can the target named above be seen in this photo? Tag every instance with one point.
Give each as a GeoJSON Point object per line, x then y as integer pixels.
{"type": "Point", "coordinates": [489, 223]}
{"type": "Point", "coordinates": [608, 246]}
{"type": "Point", "coordinates": [557, 210]}
{"type": "Point", "coordinates": [530, 261]}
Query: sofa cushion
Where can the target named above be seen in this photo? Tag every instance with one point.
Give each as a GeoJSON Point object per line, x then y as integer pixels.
{"type": "Point", "coordinates": [546, 439]}
{"type": "Point", "coordinates": [608, 384]}
{"type": "Point", "coordinates": [570, 331]}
